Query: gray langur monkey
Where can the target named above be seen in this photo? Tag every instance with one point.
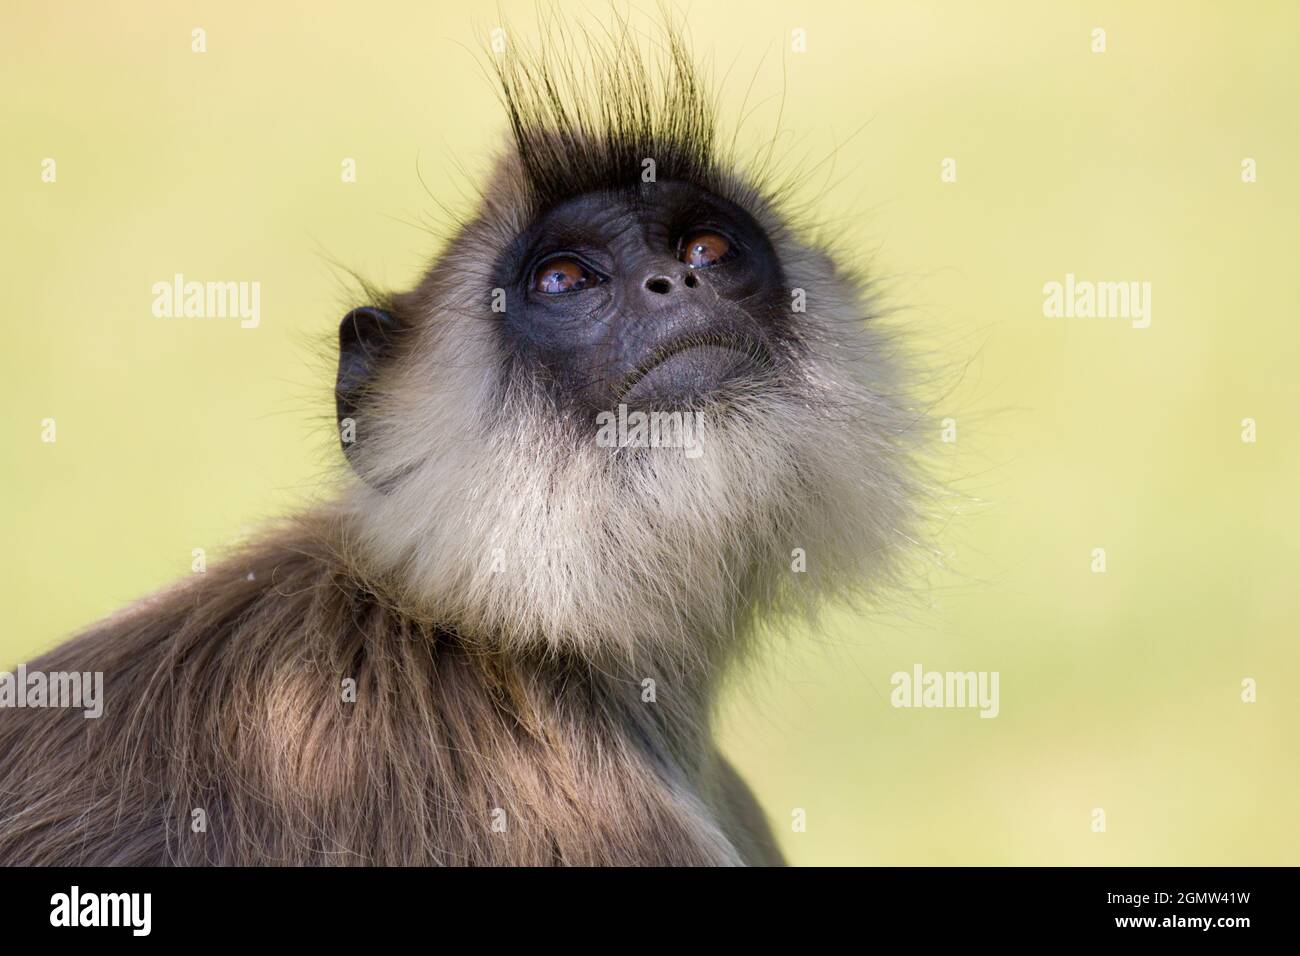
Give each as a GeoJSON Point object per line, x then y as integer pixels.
{"type": "Point", "coordinates": [503, 641]}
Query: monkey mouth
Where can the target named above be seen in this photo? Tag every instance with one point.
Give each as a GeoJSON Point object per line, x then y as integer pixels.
{"type": "Point", "coordinates": [691, 368]}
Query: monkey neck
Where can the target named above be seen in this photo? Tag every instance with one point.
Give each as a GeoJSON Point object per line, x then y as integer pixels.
{"type": "Point", "coordinates": [661, 692]}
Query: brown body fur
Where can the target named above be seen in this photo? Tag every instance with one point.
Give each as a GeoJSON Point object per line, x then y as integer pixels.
{"type": "Point", "coordinates": [235, 708]}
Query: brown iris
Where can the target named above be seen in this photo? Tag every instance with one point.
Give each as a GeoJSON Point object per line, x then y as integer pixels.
{"type": "Point", "coordinates": [556, 276]}
{"type": "Point", "coordinates": [700, 249]}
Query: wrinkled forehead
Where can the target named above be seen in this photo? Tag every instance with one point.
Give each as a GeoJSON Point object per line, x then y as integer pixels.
{"type": "Point", "coordinates": [644, 205]}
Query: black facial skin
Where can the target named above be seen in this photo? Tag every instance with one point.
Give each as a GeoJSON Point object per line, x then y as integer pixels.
{"type": "Point", "coordinates": [644, 329]}
{"type": "Point", "coordinates": [641, 326]}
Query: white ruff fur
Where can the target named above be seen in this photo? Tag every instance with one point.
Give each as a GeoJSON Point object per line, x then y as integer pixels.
{"type": "Point", "coordinates": [508, 522]}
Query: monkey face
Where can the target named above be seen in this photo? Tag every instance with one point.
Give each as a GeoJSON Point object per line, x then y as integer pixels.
{"type": "Point", "coordinates": [661, 297]}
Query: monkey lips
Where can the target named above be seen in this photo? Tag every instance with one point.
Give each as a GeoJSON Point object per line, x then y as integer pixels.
{"type": "Point", "coordinates": [693, 368]}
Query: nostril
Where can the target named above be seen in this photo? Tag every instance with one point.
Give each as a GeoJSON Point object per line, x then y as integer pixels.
{"type": "Point", "coordinates": [691, 281]}
{"type": "Point", "coordinates": [661, 285]}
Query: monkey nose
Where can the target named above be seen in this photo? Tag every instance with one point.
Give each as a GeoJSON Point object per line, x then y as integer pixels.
{"type": "Point", "coordinates": [663, 284]}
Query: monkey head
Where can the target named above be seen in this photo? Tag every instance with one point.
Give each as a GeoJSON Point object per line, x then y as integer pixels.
{"type": "Point", "coordinates": [619, 263]}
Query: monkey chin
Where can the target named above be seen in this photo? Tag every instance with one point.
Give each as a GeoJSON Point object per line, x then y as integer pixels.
{"type": "Point", "coordinates": [690, 375]}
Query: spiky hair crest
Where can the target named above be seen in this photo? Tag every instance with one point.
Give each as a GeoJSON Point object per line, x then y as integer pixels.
{"type": "Point", "coordinates": [587, 116]}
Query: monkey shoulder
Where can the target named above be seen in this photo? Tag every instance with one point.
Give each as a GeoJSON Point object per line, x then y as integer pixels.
{"type": "Point", "coordinates": [276, 710]}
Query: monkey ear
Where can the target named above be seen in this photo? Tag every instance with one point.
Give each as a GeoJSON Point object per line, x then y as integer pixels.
{"type": "Point", "coordinates": [366, 337]}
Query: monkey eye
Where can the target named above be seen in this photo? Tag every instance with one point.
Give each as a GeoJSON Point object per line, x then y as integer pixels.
{"type": "Point", "coordinates": [703, 248]}
{"type": "Point", "coordinates": [562, 274]}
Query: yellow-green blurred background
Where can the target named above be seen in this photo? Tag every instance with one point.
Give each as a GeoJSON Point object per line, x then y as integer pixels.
{"type": "Point", "coordinates": [1119, 691]}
